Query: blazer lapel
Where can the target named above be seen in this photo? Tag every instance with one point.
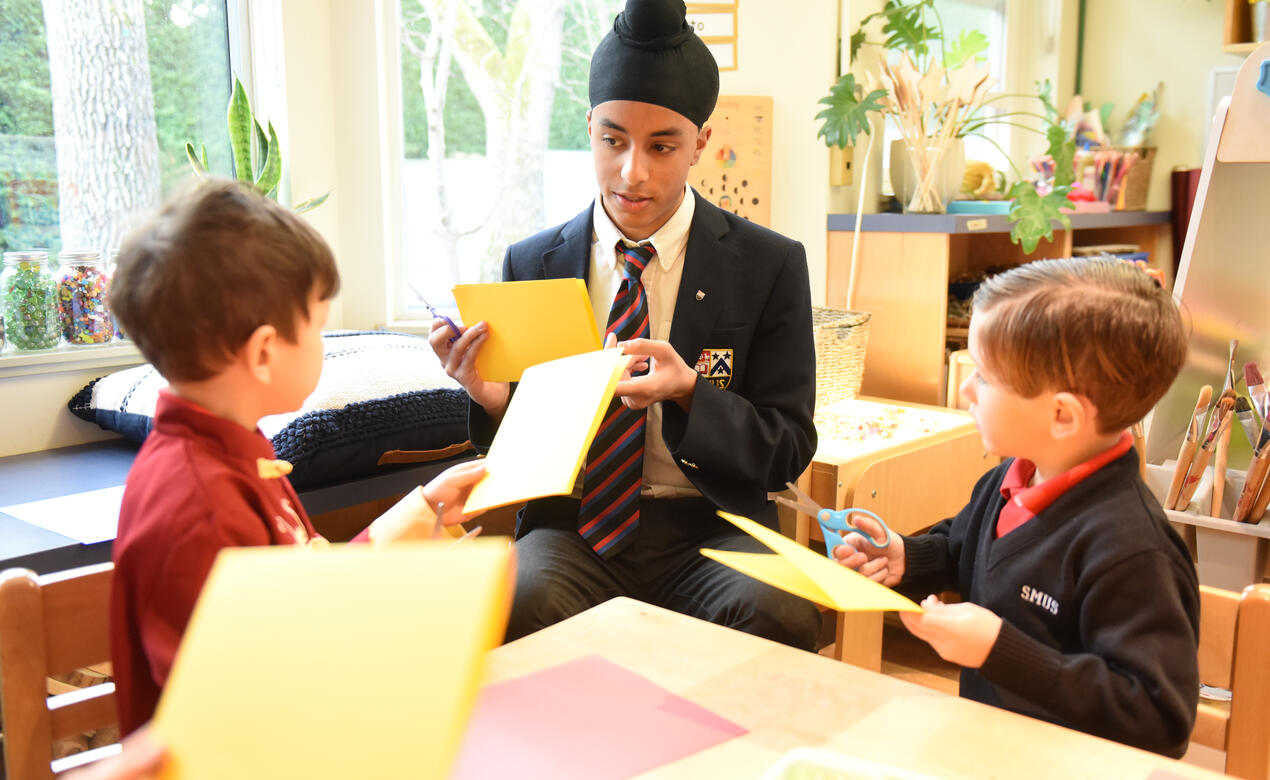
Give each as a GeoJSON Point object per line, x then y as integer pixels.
{"type": "Point", "coordinates": [572, 256]}
{"type": "Point", "coordinates": [707, 264]}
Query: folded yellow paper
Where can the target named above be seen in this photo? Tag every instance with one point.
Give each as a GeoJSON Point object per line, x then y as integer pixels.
{"type": "Point", "coordinates": [349, 662]}
{"type": "Point", "coordinates": [543, 437]}
{"type": "Point", "coordinates": [529, 322]}
{"type": "Point", "coordinates": [803, 572]}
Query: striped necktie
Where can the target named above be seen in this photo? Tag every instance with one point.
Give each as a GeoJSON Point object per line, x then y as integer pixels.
{"type": "Point", "coordinates": [615, 462]}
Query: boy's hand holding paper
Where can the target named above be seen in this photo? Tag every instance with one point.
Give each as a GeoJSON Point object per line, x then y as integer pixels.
{"type": "Point", "coordinates": [803, 572]}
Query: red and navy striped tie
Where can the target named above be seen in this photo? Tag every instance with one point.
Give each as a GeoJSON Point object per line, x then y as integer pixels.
{"type": "Point", "coordinates": [615, 462]}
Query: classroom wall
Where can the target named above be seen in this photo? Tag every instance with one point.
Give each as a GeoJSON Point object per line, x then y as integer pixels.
{"type": "Point", "coordinates": [1132, 44]}
{"type": "Point", "coordinates": [789, 51]}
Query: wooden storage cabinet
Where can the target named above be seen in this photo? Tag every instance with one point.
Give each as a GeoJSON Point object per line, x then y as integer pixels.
{"type": "Point", "coordinates": [907, 261]}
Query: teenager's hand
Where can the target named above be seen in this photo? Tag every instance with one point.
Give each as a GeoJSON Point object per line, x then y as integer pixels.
{"type": "Point", "coordinates": [884, 565]}
{"type": "Point", "coordinates": [459, 360]}
{"type": "Point", "coordinates": [961, 633]}
{"type": "Point", "coordinates": [448, 491]}
{"type": "Point", "coordinates": [669, 378]}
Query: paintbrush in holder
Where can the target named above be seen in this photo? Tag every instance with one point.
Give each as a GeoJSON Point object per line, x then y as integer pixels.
{"type": "Point", "coordinates": [1216, 429]}
{"type": "Point", "coordinates": [1253, 481]}
{"type": "Point", "coordinates": [1187, 452]}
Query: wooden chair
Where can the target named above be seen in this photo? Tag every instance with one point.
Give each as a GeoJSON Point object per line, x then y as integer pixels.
{"type": "Point", "coordinates": [50, 625]}
{"type": "Point", "coordinates": [1234, 653]}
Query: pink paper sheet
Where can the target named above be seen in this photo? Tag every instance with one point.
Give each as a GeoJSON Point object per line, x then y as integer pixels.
{"type": "Point", "coordinates": [588, 718]}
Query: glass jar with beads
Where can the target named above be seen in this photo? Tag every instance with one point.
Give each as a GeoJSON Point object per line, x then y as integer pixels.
{"type": "Point", "coordinates": [81, 299]}
{"type": "Point", "coordinates": [28, 296]}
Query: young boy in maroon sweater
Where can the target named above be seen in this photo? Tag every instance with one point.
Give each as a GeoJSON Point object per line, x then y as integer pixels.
{"type": "Point", "coordinates": [226, 293]}
{"type": "Point", "coordinates": [1081, 604]}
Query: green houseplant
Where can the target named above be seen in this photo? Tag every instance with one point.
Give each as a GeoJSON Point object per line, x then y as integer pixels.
{"type": "Point", "coordinates": [257, 156]}
{"type": "Point", "coordinates": [934, 99]}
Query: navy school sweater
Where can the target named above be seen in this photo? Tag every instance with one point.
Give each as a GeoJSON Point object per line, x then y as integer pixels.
{"type": "Point", "coordinates": [1099, 601]}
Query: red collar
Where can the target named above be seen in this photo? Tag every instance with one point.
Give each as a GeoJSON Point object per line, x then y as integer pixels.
{"type": "Point", "coordinates": [1023, 502]}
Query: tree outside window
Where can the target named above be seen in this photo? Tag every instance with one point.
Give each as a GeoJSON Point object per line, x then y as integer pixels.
{"type": "Point", "coordinates": [494, 116]}
{"type": "Point", "coordinates": [97, 100]}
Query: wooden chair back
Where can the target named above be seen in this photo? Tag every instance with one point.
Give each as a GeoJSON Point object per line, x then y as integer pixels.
{"type": "Point", "coordinates": [1234, 653]}
{"type": "Point", "coordinates": [49, 625]}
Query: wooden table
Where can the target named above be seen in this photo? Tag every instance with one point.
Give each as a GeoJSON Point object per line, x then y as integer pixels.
{"type": "Point", "coordinates": [789, 698]}
{"type": "Point", "coordinates": [910, 481]}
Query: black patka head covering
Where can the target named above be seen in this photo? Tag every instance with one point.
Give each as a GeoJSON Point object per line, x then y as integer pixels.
{"type": "Point", "coordinates": [653, 56]}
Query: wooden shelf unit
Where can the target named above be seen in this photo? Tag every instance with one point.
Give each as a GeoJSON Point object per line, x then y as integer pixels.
{"type": "Point", "coordinates": [907, 261]}
{"type": "Point", "coordinates": [1237, 29]}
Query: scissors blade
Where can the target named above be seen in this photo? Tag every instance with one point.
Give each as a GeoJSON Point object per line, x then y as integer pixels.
{"type": "Point", "coordinates": [419, 295]}
{"type": "Point", "coordinates": [804, 498]}
{"type": "Point", "coordinates": [807, 509]}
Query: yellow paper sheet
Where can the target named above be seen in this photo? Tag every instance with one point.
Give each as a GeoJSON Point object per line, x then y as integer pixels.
{"type": "Point", "coordinates": [803, 572]}
{"type": "Point", "coordinates": [548, 427]}
{"type": "Point", "coordinates": [530, 323]}
{"type": "Point", "coordinates": [346, 662]}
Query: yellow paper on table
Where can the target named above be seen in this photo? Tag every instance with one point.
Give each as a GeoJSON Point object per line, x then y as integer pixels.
{"type": "Point", "coordinates": [803, 572]}
{"type": "Point", "coordinates": [547, 428]}
{"type": "Point", "coordinates": [529, 323]}
{"type": "Point", "coordinates": [347, 662]}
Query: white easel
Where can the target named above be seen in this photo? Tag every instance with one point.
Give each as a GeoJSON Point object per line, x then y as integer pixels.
{"type": "Point", "coordinates": [1223, 287]}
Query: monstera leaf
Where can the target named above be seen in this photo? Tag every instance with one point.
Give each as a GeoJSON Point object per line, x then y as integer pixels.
{"type": "Point", "coordinates": [847, 115]}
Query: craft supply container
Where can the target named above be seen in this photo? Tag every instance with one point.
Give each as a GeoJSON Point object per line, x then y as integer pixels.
{"type": "Point", "coordinates": [81, 299]}
{"type": "Point", "coordinates": [29, 304]}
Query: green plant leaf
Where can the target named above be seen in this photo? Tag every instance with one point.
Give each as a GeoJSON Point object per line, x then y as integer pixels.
{"type": "Point", "coordinates": [271, 170]}
{"type": "Point", "coordinates": [905, 28]}
{"type": "Point", "coordinates": [847, 115]}
{"type": "Point", "coordinates": [1032, 217]}
{"type": "Point", "coordinates": [857, 40]}
{"type": "Point", "coordinates": [262, 149]}
{"type": "Point", "coordinates": [1104, 113]}
{"type": "Point", "coordinates": [968, 46]}
{"type": "Point", "coordinates": [1045, 94]}
{"type": "Point", "coordinates": [1062, 149]}
{"type": "Point", "coordinates": [202, 148]}
{"type": "Point", "coordinates": [312, 203]}
{"type": "Point", "coordinates": [240, 120]}
{"type": "Point", "coordinates": [198, 168]}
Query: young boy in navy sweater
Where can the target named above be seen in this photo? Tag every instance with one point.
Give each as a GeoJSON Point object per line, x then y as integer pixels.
{"type": "Point", "coordinates": [1081, 604]}
{"type": "Point", "coordinates": [225, 292]}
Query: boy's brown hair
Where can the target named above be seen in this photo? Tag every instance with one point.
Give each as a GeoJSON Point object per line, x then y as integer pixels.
{"type": "Point", "coordinates": [216, 262]}
{"type": "Point", "coordinates": [1097, 327]}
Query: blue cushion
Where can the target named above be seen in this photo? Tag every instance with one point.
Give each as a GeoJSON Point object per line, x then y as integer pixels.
{"type": "Point", "coordinates": [379, 391]}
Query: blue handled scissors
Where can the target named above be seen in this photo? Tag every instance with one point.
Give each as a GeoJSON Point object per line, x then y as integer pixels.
{"type": "Point", "coordinates": [454, 328]}
{"type": "Point", "coordinates": [834, 523]}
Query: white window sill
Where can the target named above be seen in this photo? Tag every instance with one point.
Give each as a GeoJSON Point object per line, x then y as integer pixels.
{"type": "Point", "coordinates": [413, 327]}
{"type": "Point", "coordinates": [113, 355]}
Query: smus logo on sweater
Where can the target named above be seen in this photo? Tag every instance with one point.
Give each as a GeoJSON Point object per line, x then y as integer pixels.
{"type": "Point", "coordinates": [1041, 599]}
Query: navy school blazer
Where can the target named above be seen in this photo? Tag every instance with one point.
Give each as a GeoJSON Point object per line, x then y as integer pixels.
{"type": "Point", "coordinates": [749, 429]}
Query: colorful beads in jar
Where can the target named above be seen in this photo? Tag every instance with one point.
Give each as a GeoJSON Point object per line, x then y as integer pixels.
{"type": "Point", "coordinates": [81, 299]}
{"type": "Point", "coordinates": [29, 300]}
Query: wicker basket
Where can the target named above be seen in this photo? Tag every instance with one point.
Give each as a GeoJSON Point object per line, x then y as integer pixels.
{"type": "Point", "coordinates": [841, 338]}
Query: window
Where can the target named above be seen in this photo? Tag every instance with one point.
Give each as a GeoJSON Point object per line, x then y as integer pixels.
{"type": "Point", "coordinates": [989, 18]}
{"type": "Point", "coordinates": [494, 99]}
{"type": "Point", "coordinates": [97, 102]}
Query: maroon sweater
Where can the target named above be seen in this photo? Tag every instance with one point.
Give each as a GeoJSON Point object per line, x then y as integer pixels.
{"type": "Point", "coordinates": [194, 488]}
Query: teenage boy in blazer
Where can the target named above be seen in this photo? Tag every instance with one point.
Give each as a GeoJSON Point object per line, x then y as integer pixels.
{"type": "Point", "coordinates": [723, 382]}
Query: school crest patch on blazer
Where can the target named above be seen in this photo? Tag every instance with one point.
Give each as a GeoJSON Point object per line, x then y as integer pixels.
{"type": "Point", "coordinates": [715, 364]}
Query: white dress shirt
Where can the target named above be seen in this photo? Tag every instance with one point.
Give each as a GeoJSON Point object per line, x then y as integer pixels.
{"type": "Point", "coordinates": [662, 477]}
